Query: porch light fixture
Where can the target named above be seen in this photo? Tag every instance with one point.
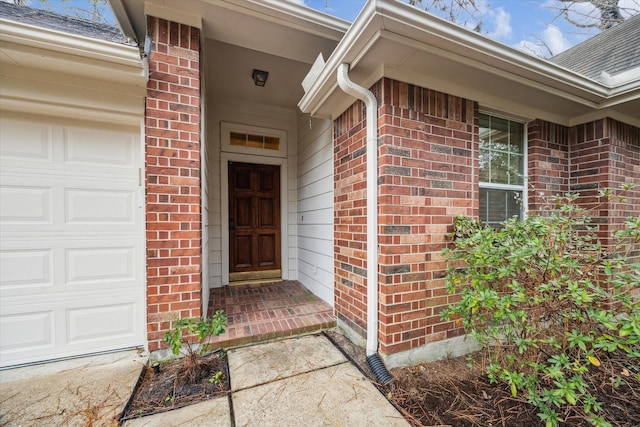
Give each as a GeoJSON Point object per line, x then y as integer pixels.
{"type": "Point", "coordinates": [260, 77]}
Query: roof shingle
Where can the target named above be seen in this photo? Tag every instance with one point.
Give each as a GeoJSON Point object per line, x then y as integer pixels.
{"type": "Point", "coordinates": [614, 51]}
{"type": "Point", "coordinates": [67, 24]}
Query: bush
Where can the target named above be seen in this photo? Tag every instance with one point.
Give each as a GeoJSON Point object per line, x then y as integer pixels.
{"type": "Point", "coordinates": [550, 304]}
{"type": "Point", "coordinates": [200, 329]}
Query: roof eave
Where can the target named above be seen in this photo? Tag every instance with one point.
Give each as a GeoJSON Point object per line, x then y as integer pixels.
{"type": "Point", "coordinates": [131, 15]}
{"type": "Point", "coordinates": [404, 24]}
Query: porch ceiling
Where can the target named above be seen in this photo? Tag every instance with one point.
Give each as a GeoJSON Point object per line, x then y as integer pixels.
{"type": "Point", "coordinates": [228, 70]}
{"type": "Point", "coordinates": [277, 36]}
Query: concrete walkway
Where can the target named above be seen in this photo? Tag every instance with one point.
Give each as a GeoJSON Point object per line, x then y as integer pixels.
{"type": "Point", "coordinates": [300, 381]}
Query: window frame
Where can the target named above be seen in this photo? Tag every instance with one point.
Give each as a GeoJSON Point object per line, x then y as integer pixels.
{"type": "Point", "coordinates": [524, 209]}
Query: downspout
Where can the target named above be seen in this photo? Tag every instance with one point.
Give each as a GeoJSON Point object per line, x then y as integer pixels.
{"type": "Point", "coordinates": [349, 87]}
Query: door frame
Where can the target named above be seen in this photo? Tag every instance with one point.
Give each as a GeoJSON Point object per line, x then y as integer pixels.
{"type": "Point", "coordinates": [284, 225]}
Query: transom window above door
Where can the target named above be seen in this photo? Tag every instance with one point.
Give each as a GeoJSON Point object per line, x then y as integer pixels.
{"type": "Point", "coordinates": [502, 169]}
{"type": "Point", "coordinates": [246, 139]}
{"type": "Point", "coordinates": [256, 141]}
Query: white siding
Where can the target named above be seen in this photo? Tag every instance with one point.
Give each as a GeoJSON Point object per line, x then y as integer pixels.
{"type": "Point", "coordinates": [253, 115]}
{"type": "Point", "coordinates": [315, 205]}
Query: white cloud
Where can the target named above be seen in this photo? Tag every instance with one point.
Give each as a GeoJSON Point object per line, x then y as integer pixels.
{"type": "Point", "coordinates": [501, 24]}
{"type": "Point", "coordinates": [496, 22]}
{"type": "Point", "coordinates": [551, 41]}
{"type": "Point", "coordinates": [555, 40]}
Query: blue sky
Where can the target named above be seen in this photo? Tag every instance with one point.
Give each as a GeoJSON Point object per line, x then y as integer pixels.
{"type": "Point", "coordinates": [525, 24]}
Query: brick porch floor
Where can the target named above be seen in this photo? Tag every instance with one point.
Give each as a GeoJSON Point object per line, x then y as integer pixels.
{"type": "Point", "coordinates": [265, 311]}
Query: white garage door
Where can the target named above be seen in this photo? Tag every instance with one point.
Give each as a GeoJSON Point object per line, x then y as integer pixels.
{"type": "Point", "coordinates": [71, 242]}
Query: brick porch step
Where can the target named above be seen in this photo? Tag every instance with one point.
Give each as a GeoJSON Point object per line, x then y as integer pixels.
{"type": "Point", "coordinates": [261, 312]}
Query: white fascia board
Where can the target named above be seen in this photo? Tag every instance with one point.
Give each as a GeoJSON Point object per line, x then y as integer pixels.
{"type": "Point", "coordinates": [71, 44]}
{"type": "Point", "coordinates": [392, 19]}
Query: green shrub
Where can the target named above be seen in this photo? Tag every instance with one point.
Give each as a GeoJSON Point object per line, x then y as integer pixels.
{"type": "Point", "coordinates": [194, 369]}
{"type": "Point", "coordinates": [200, 328]}
{"type": "Point", "coordinates": [550, 303]}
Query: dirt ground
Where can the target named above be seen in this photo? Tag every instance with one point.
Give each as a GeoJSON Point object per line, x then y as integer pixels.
{"type": "Point", "coordinates": [165, 390]}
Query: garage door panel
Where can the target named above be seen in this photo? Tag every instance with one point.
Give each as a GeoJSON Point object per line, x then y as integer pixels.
{"type": "Point", "coordinates": [109, 148]}
{"type": "Point", "coordinates": [99, 323]}
{"type": "Point", "coordinates": [26, 332]}
{"type": "Point", "coordinates": [69, 203]}
{"type": "Point", "coordinates": [94, 266]}
{"type": "Point", "coordinates": [24, 204]}
{"type": "Point", "coordinates": [67, 326]}
{"type": "Point", "coordinates": [24, 269]}
{"type": "Point", "coordinates": [25, 140]}
{"type": "Point", "coordinates": [71, 146]}
{"type": "Point", "coordinates": [99, 206]}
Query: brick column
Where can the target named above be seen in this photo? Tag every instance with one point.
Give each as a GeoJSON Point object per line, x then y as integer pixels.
{"type": "Point", "coordinates": [172, 142]}
{"type": "Point", "coordinates": [427, 159]}
{"type": "Point", "coordinates": [605, 154]}
{"type": "Point", "coordinates": [427, 176]}
{"type": "Point", "coordinates": [548, 163]}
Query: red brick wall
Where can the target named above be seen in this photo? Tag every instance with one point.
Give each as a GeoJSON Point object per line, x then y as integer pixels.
{"type": "Point", "coordinates": [172, 131]}
{"type": "Point", "coordinates": [624, 167]}
{"type": "Point", "coordinates": [427, 175]}
{"type": "Point", "coordinates": [350, 218]}
{"type": "Point", "coordinates": [548, 162]}
{"type": "Point", "coordinates": [427, 158]}
{"type": "Point", "coordinates": [605, 154]}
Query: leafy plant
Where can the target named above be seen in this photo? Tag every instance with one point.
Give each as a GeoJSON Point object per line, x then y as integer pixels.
{"type": "Point", "coordinates": [201, 330]}
{"type": "Point", "coordinates": [550, 303]}
{"type": "Point", "coordinates": [215, 379]}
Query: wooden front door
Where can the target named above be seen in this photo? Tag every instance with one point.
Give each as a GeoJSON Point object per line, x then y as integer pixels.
{"type": "Point", "coordinates": [254, 221]}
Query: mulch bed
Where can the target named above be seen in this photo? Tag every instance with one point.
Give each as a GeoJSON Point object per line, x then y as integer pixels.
{"type": "Point", "coordinates": [448, 393]}
{"type": "Point", "coordinates": [167, 390]}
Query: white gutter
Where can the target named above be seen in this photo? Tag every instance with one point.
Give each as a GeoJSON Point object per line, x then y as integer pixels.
{"type": "Point", "coordinates": [372, 201]}
{"type": "Point", "coordinates": [126, 57]}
